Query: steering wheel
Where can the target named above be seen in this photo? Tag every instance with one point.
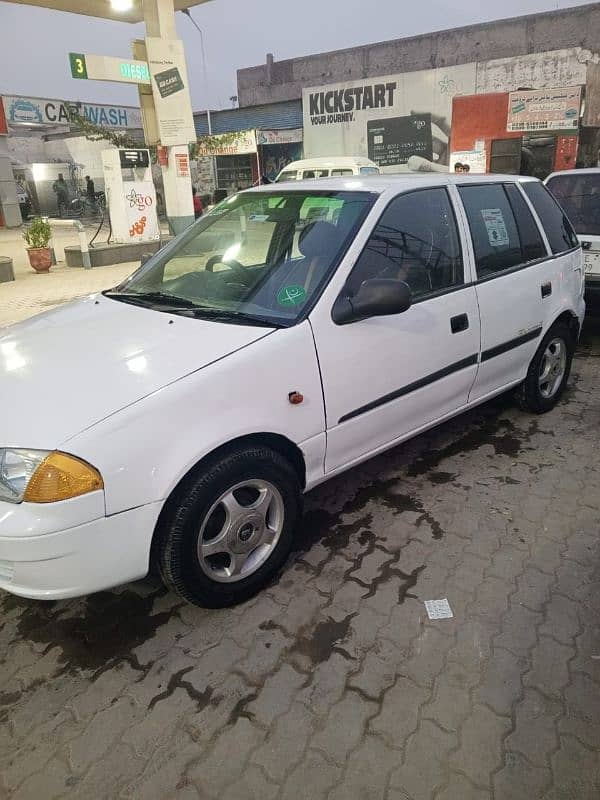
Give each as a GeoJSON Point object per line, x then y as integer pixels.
{"type": "Point", "coordinates": [233, 265]}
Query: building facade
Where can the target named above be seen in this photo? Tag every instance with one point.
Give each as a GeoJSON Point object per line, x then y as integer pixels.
{"type": "Point", "coordinates": [500, 41]}
{"type": "Point", "coordinates": [394, 102]}
{"type": "Point", "coordinates": [40, 141]}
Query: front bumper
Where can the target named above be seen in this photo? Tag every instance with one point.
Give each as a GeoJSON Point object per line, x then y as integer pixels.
{"type": "Point", "coordinates": [86, 558]}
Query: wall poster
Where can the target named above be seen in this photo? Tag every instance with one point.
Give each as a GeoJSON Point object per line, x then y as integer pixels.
{"type": "Point", "coordinates": [400, 121]}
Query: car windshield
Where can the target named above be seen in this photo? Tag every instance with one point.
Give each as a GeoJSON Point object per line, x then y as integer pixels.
{"type": "Point", "coordinates": [258, 258]}
{"type": "Point", "coordinates": [579, 195]}
{"type": "Point", "coordinates": [287, 176]}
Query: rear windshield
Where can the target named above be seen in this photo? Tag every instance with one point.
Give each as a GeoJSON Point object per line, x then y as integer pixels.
{"type": "Point", "coordinates": [579, 195]}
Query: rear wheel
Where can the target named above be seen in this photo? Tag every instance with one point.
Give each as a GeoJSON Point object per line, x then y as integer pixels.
{"type": "Point", "coordinates": [231, 528]}
{"type": "Point", "coordinates": [549, 371]}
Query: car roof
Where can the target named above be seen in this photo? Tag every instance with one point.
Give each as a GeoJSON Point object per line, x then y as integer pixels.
{"type": "Point", "coordinates": [585, 171]}
{"type": "Point", "coordinates": [328, 161]}
{"type": "Point", "coordinates": [385, 183]}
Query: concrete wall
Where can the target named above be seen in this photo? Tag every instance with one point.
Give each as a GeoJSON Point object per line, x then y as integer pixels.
{"type": "Point", "coordinates": [566, 29]}
{"type": "Point", "coordinates": [10, 215]}
{"type": "Point", "coordinates": [544, 70]}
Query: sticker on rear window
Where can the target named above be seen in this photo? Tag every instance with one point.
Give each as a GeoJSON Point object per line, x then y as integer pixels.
{"type": "Point", "coordinates": [291, 295]}
{"type": "Point", "coordinates": [496, 227]}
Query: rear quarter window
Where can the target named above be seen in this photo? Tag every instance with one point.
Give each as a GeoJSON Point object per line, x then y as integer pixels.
{"type": "Point", "coordinates": [494, 231]}
{"type": "Point", "coordinates": [558, 229]}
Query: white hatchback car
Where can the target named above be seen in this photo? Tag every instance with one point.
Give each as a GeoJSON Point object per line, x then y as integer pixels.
{"type": "Point", "coordinates": [292, 333]}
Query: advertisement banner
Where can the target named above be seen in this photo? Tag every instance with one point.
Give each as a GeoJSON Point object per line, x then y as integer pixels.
{"type": "Point", "coordinates": [170, 89]}
{"type": "Point", "coordinates": [472, 161]}
{"type": "Point", "coordinates": [544, 110]}
{"type": "Point", "coordinates": [240, 143]}
{"type": "Point", "coordinates": [140, 209]}
{"type": "Point", "coordinates": [400, 121]}
{"type": "Point", "coordinates": [286, 136]}
{"type": "Point", "coordinates": [43, 111]}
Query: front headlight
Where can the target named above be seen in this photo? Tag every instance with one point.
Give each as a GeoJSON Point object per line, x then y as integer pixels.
{"type": "Point", "coordinates": [37, 476]}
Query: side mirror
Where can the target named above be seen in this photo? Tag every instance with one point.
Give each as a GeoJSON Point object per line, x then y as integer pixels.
{"type": "Point", "coordinates": [378, 297]}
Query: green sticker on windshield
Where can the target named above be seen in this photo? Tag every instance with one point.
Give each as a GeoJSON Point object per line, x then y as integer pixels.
{"type": "Point", "coordinates": [291, 295]}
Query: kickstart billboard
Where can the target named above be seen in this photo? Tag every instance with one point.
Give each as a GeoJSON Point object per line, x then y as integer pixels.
{"type": "Point", "coordinates": [399, 121]}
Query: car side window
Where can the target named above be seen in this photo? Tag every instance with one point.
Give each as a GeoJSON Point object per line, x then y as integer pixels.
{"type": "Point", "coordinates": [558, 229]}
{"type": "Point", "coordinates": [532, 244]}
{"type": "Point", "coordinates": [494, 230]}
{"type": "Point", "coordinates": [416, 241]}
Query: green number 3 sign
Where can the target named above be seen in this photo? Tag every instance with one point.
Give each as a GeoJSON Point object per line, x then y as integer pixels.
{"type": "Point", "coordinates": [78, 65]}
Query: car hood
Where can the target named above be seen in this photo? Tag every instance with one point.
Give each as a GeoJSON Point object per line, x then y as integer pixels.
{"type": "Point", "coordinates": [65, 370]}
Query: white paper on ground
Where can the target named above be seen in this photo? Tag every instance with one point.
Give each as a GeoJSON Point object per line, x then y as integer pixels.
{"type": "Point", "coordinates": [438, 609]}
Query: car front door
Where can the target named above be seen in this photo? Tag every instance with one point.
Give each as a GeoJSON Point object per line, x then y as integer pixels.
{"type": "Point", "coordinates": [514, 282]}
{"type": "Point", "coordinates": [386, 377]}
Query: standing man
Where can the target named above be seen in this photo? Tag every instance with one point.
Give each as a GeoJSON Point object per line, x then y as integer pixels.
{"type": "Point", "coordinates": [62, 194]}
{"type": "Point", "coordinates": [197, 203]}
{"type": "Point", "coordinates": [90, 192]}
{"type": "Point", "coordinates": [90, 189]}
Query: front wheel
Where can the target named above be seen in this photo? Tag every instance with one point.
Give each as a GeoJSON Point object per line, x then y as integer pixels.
{"type": "Point", "coordinates": [231, 528]}
{"type": "Point", "coordinates": [549, 371]}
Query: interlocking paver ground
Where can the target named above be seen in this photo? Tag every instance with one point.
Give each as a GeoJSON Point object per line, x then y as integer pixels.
{"type": "Point", "coordinates": [333, 683]}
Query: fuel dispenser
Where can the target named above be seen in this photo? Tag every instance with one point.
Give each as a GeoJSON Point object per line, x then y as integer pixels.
{"type": "Point", "coordinates": [130, 195]}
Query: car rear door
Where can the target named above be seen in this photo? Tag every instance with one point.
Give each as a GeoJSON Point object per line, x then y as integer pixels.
{"type": "Point", "coordinates": [384, 378]}
{"type": "Point", "coordinates": [579, 196]}
{"type": "Point", "coordinates": [514, 282]}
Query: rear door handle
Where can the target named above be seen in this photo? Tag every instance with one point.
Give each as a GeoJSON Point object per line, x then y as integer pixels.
{"type": "Point", "coordinates": [546, 289]}
{"type": "Point", "coordinates": [459, 323]}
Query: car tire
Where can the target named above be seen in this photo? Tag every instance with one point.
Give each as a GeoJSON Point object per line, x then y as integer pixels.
{"type": "Point", "coordinates": [230, 528]}
{"type": "Point", "coordinates": [549, 371]}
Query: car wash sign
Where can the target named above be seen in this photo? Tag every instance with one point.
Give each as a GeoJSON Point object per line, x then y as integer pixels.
{"type": "Point", "coordinates": [41, 111]}
{"type": "Point", "coordinates": [400, 121]}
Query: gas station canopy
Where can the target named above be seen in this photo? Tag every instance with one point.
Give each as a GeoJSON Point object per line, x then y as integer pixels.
{"type": "Point", "coordinates": [131, 11]}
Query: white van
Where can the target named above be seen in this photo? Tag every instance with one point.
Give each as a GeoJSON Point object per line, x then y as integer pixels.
{"type": "Point", "coordinates": [328, 167]}
{"type": "Point", "coordinates": [578, 192]}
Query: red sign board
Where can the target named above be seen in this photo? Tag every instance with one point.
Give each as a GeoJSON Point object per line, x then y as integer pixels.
{"type": "Point", "coordinates": [3, 126]}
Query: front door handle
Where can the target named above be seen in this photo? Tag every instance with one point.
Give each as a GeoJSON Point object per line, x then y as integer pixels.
{"type": "Point", "coordinates": [546, 289]}
{"type": "Point", "coordinates": [459, 323]}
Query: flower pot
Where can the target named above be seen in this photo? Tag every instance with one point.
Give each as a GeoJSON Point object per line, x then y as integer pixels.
{"type": "Point", "coordinates": [40, 258]}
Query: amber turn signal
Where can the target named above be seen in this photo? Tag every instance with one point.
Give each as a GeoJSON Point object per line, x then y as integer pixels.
{"type": "Point", "coordinates": [60, 477]}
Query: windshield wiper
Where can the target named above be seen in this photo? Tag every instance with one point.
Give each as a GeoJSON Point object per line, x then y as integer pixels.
{"type": "Point", "coordinates": [237, 317]}
{"type": "Point", "coordinates": [181, 305]}
{"type": "Point", "coordinates": [151, 299]}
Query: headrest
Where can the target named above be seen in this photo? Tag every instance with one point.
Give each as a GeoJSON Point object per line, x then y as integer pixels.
{"type": "Point", "coordinates": [319, 239]}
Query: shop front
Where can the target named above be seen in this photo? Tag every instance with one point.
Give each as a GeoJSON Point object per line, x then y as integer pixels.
{"type": "Point", "coordinates": [277, 148]}
{"type": "Point", "coordinates": [245, 158]}
{"type": "Point", "coordinates": [236, 159]}
{"type": "Point", "coordinates": [528, 132]}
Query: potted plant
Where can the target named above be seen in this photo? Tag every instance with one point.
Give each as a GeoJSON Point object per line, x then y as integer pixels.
{"type": "Point", "coordinates": [37, 235]}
